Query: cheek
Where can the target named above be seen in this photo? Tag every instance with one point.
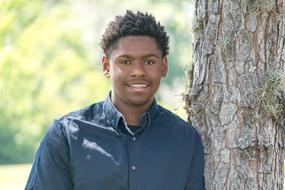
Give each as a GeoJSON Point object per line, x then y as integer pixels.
{"type": "Point", "coordinates": [117, 77]}
{"type": "Point", "coordinates": [115, 72]}
{"type": "Point", "coordinates": [155, 75]}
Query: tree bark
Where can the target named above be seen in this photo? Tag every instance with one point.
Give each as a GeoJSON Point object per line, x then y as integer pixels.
{"type": "Point", "coordinates": [236, 96]}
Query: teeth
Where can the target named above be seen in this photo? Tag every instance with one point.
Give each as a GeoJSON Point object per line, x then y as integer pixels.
{"type": "Point", "coordinates": [138, 85]}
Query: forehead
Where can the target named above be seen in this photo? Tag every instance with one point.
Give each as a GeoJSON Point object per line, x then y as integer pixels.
{"type": "Point", "coordinates": [136, 46]}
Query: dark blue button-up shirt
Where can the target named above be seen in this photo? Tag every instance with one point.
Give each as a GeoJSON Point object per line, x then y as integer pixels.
{"type": "Point", "coordinates": [93, 149]}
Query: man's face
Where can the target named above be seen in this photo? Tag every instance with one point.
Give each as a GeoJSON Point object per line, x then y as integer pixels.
{"type": "Point", "coordinates": [135, 67]}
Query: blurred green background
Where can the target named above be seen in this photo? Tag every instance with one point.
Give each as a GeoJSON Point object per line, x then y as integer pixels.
{"type": "Point", "coordinates": [50, 62]}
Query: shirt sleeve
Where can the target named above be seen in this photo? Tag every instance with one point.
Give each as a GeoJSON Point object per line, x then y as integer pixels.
{"type": "Point", "coordinates": [51, 166]}
{"type": "Point", "coordinates": [196, 174]}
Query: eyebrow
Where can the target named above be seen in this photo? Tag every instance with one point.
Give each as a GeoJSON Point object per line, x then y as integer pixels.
{"type": "Point", "coordinates": [150, 55]}
{"type": "Point", "coordinates": [145, 56]}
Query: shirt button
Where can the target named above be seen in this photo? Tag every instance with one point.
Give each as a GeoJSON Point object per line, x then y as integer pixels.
{"type": "Point", "coordinates": [133, 167]}
{"type": "Point", "coordinates": [134, 138]}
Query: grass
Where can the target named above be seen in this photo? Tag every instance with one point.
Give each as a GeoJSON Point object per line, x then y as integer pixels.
{"type": "Point", "coordinates": [14, 177]}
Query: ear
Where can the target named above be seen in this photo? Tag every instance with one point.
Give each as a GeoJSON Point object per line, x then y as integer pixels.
{"type": "Point", "coordinates": [164, 66]}
{"type": "Point", "coordinates": [105, 65]}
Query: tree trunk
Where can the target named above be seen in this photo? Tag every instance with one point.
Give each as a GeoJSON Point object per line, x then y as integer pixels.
{"type": "Point", "coordinates": [236, 97]}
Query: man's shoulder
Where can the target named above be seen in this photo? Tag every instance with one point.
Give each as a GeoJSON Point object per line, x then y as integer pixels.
{"type": "Point", "coordinates": [70, 123]}
{"type": "Point", "coordinates": [87, 113]}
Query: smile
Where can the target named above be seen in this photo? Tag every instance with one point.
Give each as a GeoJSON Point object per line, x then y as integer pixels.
{"type": "Point", "coordinates": [138, 85]}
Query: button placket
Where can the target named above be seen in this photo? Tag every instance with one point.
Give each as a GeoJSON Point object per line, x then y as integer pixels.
{"type": "Point", "coordinates": [133, 167]}
{"type": "Point", "coordinates": [133, 158]}
{"type": "Point", "coordinates": [133, 139]}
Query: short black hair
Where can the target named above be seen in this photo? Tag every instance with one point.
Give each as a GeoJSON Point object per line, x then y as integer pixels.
{"type": "Point", "coordinates": [130, 24]}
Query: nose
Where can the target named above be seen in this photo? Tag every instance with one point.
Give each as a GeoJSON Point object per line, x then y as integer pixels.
{"type": "Point", "coordinates": [138, 70]}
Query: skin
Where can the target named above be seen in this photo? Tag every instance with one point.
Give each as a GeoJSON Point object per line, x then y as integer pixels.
{"type": "Point", "coordinates": [135, 67]}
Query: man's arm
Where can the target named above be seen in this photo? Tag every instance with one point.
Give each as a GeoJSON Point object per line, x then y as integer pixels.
{"type": "Point", "coordinates": [196, 173]}
{"type": "Point", "coordinates": [51, 168]}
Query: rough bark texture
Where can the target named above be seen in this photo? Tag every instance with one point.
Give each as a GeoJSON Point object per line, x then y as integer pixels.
{"type": "Point", "coordinates": [236, 95]}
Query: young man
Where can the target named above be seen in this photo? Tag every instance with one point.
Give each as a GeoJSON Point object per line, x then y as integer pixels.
{"type": "Point", "coordinates": [128, 141]}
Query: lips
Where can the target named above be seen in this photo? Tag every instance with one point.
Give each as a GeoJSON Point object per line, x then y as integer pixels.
{"type": "Point", "coordinates": [138, 84]}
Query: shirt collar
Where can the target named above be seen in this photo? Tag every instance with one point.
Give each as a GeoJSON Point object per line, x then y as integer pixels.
{"type": "Point", "coordinates": [113, 116]}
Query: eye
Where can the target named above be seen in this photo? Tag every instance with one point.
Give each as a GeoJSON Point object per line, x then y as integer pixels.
{"type": "Point", "coordinates": [149, 62]}
{"type": "Point", "coordinates": [125, 62]}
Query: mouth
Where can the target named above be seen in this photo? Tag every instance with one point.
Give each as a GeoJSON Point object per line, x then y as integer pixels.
{"type": "Point", "coordinates": [139, 86]}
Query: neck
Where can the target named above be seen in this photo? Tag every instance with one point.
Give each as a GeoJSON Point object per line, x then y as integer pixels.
{"type": "Point", "coordinates": [132, 113]}
{"type": "Point", "coordinates": [132, 117]}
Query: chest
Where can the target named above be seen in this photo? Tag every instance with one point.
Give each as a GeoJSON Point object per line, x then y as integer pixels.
{"type": "Point", "coordinates": [139, 162]}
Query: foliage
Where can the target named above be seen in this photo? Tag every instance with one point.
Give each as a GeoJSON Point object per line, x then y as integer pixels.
{"type": "Point", "coordinates": [49, 62]}
{"type": "Point", "coordinates": [226, 49]}
{"type": "Point", "coordinates": [270, 96]}
{"type": "Point", "coordinates": [43, 74]}
{"type": "Point", "coordinates": [254, 6]}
